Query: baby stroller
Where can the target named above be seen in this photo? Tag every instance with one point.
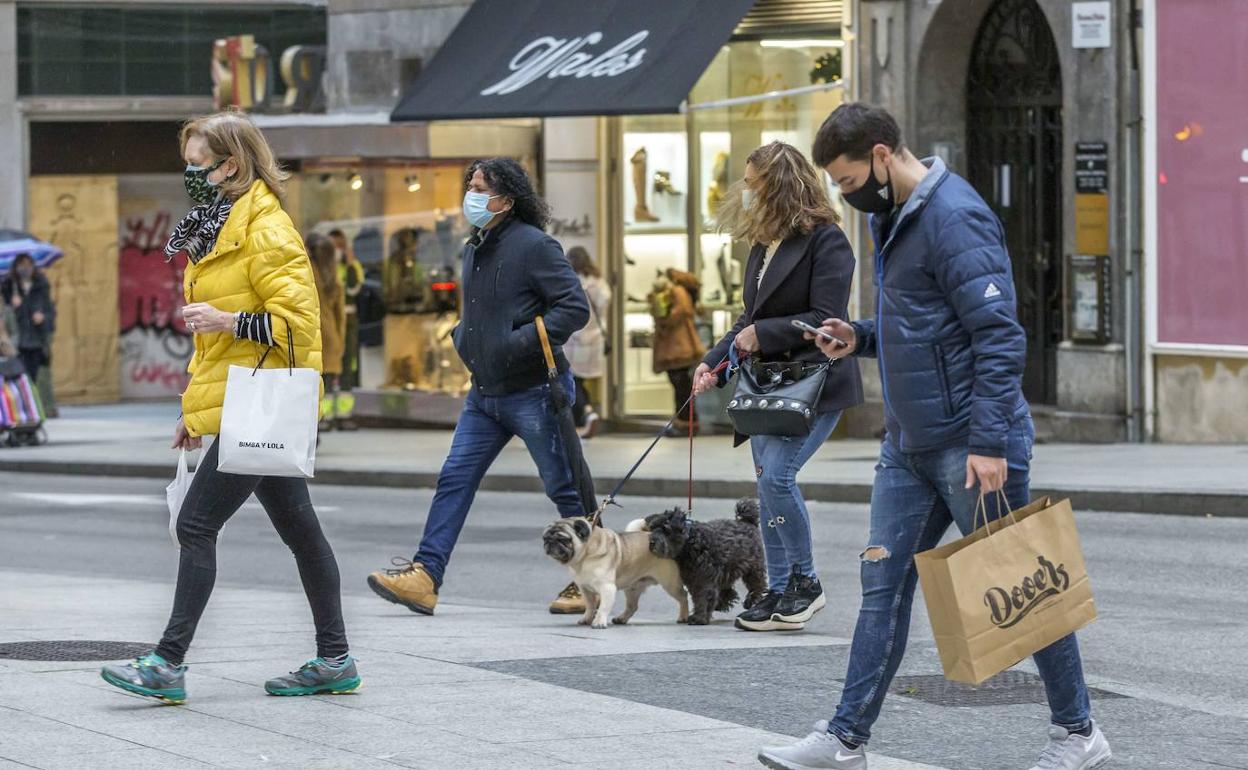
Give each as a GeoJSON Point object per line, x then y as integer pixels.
{"type": "Point", "coordinates": [21, 412]}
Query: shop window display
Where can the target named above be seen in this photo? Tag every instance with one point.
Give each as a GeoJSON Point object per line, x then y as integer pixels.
{"type": "Point", "coordinates": [405, 229]}
{"type": "Point", "coordinates": [675, 170]}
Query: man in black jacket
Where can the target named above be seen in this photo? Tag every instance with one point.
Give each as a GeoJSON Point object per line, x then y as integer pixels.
{"type": "Point", "coordinates": [512, 272]}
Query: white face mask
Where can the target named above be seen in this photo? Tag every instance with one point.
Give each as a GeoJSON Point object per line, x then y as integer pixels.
{"type": "Point", "coordinates": [747, 198]}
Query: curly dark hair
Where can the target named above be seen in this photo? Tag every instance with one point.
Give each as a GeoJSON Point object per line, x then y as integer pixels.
{"type": "Point", "coordinates": [506, 176]}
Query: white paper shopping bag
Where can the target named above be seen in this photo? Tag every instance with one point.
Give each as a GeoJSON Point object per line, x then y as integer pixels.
{"type": "Point", "coordinates": [268, 422]}
{"type": "Point", "coordinates": [175, 493]}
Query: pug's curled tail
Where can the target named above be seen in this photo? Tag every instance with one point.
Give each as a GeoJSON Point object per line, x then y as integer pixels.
{"type": "Point", "coordinates": [747, 510]}
{"type": "Point", "coordinates": [637, 525]}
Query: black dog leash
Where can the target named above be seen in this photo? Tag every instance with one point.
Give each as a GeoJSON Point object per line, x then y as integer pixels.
{"type": "Point", "coordinates": [610, 499]}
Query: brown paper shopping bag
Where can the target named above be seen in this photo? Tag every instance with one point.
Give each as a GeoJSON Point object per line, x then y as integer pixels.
{"type": "Point", "coordinates": [1007, 590]}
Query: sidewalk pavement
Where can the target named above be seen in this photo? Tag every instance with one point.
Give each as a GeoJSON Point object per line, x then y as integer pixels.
{"type": "Point", "coordinates": [430, 697]}
{"type": "Point", "coordinates": [133, 440]}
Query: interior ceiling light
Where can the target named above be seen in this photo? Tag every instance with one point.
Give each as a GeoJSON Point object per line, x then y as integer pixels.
{"type": "Point", "coordinates": [357, 181]}
{"type": "Point", "coordinates": [412, 182]}
{"type": "Point", "coordinates": [831, 42]}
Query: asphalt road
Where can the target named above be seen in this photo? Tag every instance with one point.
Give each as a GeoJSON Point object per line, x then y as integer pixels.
{"type": "Point", "coordinates": [1167, 654]}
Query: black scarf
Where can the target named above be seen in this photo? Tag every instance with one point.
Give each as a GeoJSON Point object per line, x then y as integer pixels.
{"type": "Point", "coordinates": [197, 233]}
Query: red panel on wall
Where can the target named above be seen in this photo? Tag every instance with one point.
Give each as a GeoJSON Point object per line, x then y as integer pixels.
{"type": "Point", "coordinates": [1202, 170]}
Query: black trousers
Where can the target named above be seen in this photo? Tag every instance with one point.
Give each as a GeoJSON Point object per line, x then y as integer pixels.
{"type": "Point", "coordinates": [212, 499]}
{"type": "Point", "coordinates": [583, 405]}
{"type": "Point", "coordinates": [682, 383]}
{"type": "Point", "coordinates": [33, 359]}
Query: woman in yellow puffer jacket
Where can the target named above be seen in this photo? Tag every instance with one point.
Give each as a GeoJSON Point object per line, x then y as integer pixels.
{"type": "Point", "coordinates": [248, 284]}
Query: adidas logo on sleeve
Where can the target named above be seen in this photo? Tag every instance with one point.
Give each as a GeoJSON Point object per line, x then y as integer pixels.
{"type": "Point", "coordinates": [992, 292]}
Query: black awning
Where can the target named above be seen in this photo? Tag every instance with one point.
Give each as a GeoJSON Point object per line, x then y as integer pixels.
{"type": "Point", "coordinates": [545, 58]}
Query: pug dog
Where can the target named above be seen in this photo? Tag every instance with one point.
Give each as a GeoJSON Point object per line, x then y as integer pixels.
{"type": "Point", "coordinates": [602, 562]}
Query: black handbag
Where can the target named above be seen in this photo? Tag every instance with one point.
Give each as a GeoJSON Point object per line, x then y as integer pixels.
{"type": "Point", "coordinates": [777, 398]}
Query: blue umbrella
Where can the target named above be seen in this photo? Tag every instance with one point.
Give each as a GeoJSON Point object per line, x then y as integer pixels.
{"type": "Point", "coordinates": [14, 242]}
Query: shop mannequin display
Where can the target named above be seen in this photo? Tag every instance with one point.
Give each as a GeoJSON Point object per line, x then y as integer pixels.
{"type": "Point", "coordinates": [718, 187]}
{"type": "Point", "coordinates": [444, 230]}
{"type": "Point", "coordinates": [337, 403]}
{"type": "Point", "coordinates": [404, 288]}
{"type": "Point", "coordinates": [351, 275]}
{"type": "Point", "coordinates": [730, 271]}
{"type": "Point", "coordinates": [677, 347]}
{"type": "Point", "coordinates": [641, 212]}
{"type": "Point", "coordinates": [663, 183]}
{"type": "Point", "coordinates": [367, 247]}
{"type": "Point", "coordinates": [404, 281]}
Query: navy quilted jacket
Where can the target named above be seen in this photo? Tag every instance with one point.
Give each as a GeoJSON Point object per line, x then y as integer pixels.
{"type": "Point", "coordinates": [946, 331]}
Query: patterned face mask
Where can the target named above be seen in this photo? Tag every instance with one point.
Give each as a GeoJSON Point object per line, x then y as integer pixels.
{"type": "Point", "coordinates": [197, 185]}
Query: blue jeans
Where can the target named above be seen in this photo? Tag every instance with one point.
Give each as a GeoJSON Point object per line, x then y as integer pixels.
{"type": "Point", "coordinates": [916, 497]}
{"type": "Point", "coordinates": [485, 426]}
{"type": "Point", "coordinates": [785, 521]}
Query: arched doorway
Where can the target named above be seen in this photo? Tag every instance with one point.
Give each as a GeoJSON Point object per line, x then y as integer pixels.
{"type": "Point", "coordinates": [1014, 159]}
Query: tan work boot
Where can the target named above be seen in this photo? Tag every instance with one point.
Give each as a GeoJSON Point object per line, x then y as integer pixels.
{"type": "Point", "coordinates": [568, 602]}
{"type": "Point", "coordinates": [407, 584]}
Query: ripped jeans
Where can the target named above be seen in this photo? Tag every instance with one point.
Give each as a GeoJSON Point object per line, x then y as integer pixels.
{"type": "Point", "coordinates": [785, 521]}
{"type": "Point", "coordinates": [915, 498]}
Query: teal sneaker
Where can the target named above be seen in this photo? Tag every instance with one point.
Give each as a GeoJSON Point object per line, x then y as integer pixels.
{"type": "Point", "coordinates": [149, 675]}
{"type": "Point", "coordinates": [316, 677]}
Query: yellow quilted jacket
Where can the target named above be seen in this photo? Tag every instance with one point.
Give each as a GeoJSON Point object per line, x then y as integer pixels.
{"type": "Point", "coordinates": [258, 265]}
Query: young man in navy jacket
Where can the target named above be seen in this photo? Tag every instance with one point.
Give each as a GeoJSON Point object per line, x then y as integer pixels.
{"type": "Point", "coordinates": [951, 353]}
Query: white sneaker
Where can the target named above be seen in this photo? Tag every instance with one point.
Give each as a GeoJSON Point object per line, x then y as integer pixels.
{"type": "Point", "coordinates": [1069, 751]}
{"type": "Point", "coordinates": [821, 750]}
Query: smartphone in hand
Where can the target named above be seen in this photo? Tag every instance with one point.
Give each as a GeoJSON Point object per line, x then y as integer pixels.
{"type": "Point", "coordinates": [813, 330]}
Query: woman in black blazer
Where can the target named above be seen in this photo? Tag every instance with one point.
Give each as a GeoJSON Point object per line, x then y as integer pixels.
{"type": "Point", "coordinates": [800, 267]}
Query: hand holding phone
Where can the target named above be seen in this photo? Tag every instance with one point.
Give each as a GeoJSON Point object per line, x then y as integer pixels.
{"type": "Point", "coordinates": [820, 332]}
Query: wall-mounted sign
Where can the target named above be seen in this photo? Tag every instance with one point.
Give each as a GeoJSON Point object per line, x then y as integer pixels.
{"type": "Point", "coordinates": [243, 76]}
{"type": "Point", "coordinates": [1092, 223]}
{"type": "Point", "coordinates": [1091, 167]}
{"type": "Point", "coordinates": [1092, 198]}
{"type": "Point", "coordinates": [1089, 25]}
{"type": "Point", "coordinates": [1089, 298]}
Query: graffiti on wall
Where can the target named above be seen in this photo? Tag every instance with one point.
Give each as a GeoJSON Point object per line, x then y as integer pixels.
{"type": "Point", "coordinates": [155, 344]}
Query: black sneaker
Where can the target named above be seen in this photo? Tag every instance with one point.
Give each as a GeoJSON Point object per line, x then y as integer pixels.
{"type": "Point", "coordinates": [802, 599]}
{"type": "Point", "coordinates": [759, 616]}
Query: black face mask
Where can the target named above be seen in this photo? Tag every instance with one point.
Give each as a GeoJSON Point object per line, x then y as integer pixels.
{"type": "Point", "coordinates": [873, 197]}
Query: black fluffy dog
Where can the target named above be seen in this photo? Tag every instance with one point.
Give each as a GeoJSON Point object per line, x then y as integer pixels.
{"type": "Point", "coordinates": [712, 556]}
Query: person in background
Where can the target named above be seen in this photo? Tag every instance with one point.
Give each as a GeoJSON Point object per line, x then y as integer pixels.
{"type": "Point", "coordinates": [587, 349]}
{"type": "Point", "coordinates": [677, 346]}
{"type": "Point", "coordinates": [351, 275]}
{"type": "Point", "coordinates": [8, 329]}
{"type": "Point", "coordinates": [28, 293]}
{"type": "Point", "coordinates": [333, 326]}
{"type": "Point", "coordinates": [800, 268]}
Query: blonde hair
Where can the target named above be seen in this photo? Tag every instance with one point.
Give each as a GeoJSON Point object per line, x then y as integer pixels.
{"type": "Point", "coordinates": [232, 135]}
{"type": "Point", "coordinates": [789, 198]}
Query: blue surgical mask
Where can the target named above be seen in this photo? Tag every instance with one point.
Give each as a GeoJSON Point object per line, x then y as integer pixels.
{"type": "Point", "coordinates": [747, 198]}
{"type": "Point", "coordinates": [476, 208]}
